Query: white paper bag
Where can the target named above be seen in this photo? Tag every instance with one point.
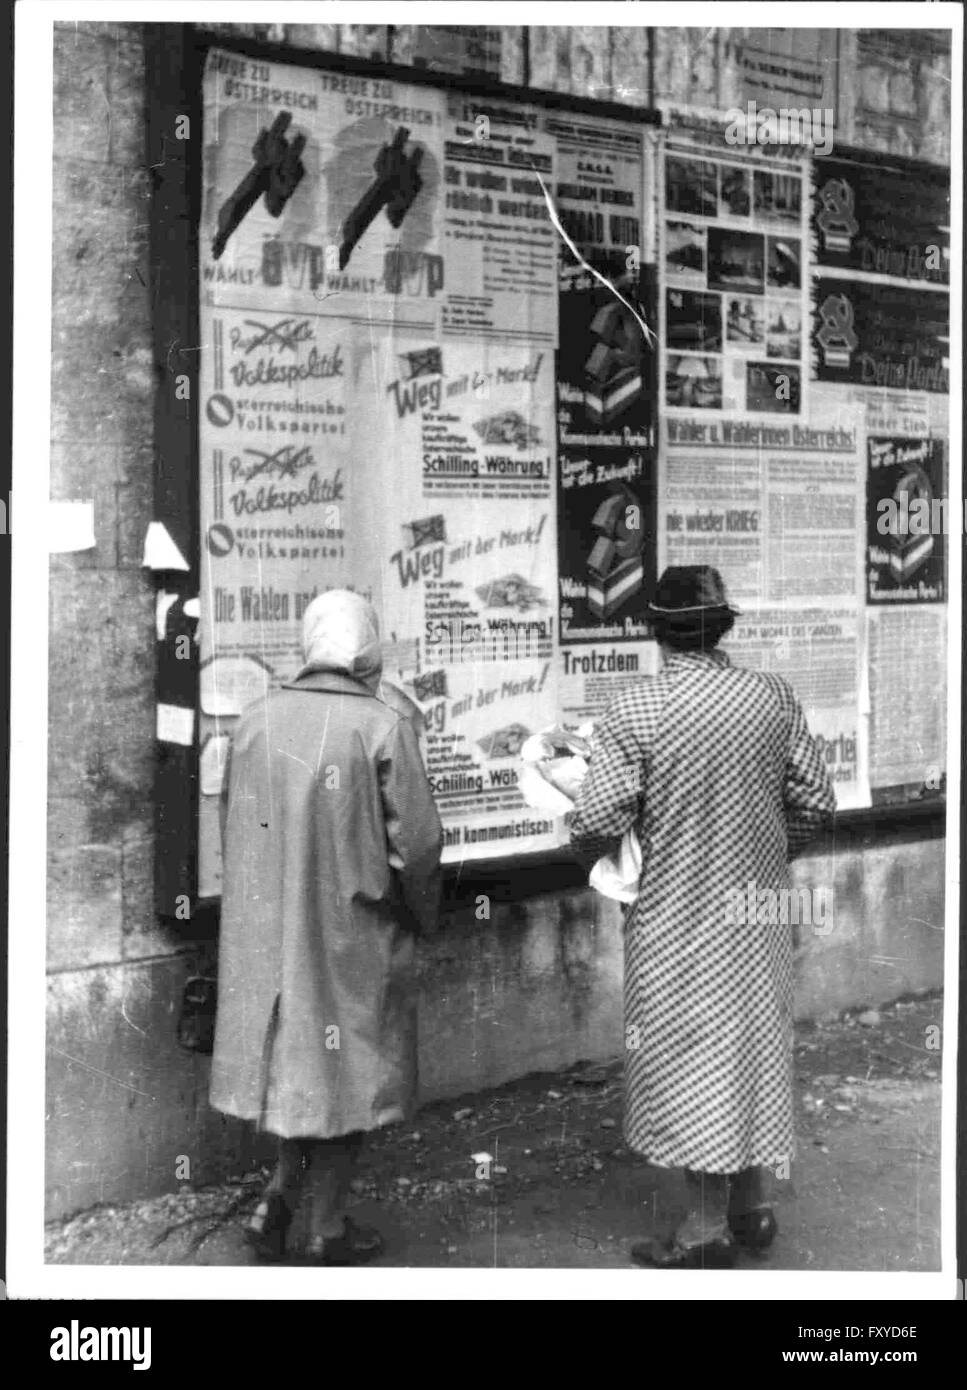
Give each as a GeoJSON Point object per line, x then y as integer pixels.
{"type": "Point", "coordinates": [616, 876]}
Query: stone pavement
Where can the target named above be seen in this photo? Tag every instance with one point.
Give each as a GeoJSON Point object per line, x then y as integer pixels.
{"type": "Point", "coordinates": [563, 1191]}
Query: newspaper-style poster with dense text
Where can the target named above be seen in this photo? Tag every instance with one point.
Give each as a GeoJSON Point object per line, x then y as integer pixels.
{"type": "Point", "coordinates": [498, 235]}
{"type": "Point", "coordinates": [776, 508]}
{"type": "Point", "coordinates": [819, 651]}
{"type": "Point", "coordinates": [908, 695]}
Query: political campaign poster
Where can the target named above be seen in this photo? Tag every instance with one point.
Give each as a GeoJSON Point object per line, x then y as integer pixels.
{"type": "Point", "coordinates": [606, 418]}
{"type": "Point", "coordinates": [458, 551]}
{"type": "Point", "coordinates": [876, 333]}
{"type": "Point", "coordinates": [907, 518]}
{"type": "Point", "coordinates": [882, 215]}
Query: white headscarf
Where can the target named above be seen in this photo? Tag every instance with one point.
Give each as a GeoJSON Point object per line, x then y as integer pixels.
{"type": "Point", "coordinates": [340, 632]}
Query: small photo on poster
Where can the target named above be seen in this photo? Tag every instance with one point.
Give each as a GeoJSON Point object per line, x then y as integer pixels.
{"type": "Point", "coordinates": [691, 186]}
{"type": "Point", "coordinates": [744, 321]}
{"type": "Point", "coordinates": [783, 328]}
{"type": "Point", "coordinates": [784, 263]}
{"type": "Point", "coordinates": [693, 321]}
{"type": "Point", "coordinates": [735, 195]}
{"type": "Point", "coordinates": [736, 260]}
{"type": "Point", "coordinates": [777, 197]}
{"type": "Point", "coordinates": [685, 252]}
{"type": "Point", "coordinates": [694, 381]}
{"type": "Point", "coordinates": [773, 387]}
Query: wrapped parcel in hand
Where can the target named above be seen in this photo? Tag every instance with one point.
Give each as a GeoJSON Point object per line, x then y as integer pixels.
{"type": "Point", "coordinates": [554, 764]}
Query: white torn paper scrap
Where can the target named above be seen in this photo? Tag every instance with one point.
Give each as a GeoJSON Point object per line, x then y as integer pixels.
{"type": "Point", "coordinates": [176, 724]}
{"type": "Point", "coordinates": [162, 603]}
{"type": "Point", "coordinates": [556, 223]}
{"type": "Point", "coordinates": [70, 526]}
{"type": "Point", "coordinates": [229, 683]}
{"type": "Point", "coordinates": [160, 550]}
{"type": "Point", "coordinates": [191, 608]}
{"type": "Point", "coordinates": [211, 764]}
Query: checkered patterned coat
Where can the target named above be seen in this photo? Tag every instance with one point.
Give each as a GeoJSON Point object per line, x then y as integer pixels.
{"type": "Point", "coordinates": [716, 768]}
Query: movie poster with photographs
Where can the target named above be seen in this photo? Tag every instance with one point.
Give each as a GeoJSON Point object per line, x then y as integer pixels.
{"type": "Point", "coordinates": [606, 420]}
{"type": "Point", "coordinates": [459, 555]}
{"type": "Point", "coordinates": [732, 307]}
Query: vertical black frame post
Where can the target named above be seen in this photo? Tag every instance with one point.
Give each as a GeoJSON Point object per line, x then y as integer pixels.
{"type": "Point", "coordinates": [173, 89]}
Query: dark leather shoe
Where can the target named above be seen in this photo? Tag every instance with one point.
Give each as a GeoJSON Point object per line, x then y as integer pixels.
{"type": "Point", "coordinates": [720, 1253]}
{"type": "Point", "coordinates": [267, 1227]}
{"type": "Point", "coordinates": [754, 1229]}
{"type": "Point", "coordinates": [355, 1246]}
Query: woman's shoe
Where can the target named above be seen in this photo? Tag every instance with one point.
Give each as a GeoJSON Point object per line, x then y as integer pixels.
{"type": "Point", "coordinates": [720, 1253]}
{"type": "Point", "coordinates": [267, 1227]}
{"type": "Point", "coordinates": [754, 1229]}
{"type": "Point", "coordinates": [355, 1246]}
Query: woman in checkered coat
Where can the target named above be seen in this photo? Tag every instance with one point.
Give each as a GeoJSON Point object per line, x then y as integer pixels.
{"type": "Point", "coordinates": [716, 769]}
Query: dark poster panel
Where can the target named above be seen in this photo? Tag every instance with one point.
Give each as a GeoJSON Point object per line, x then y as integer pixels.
{"type": "Point", "coordinates": [872, 334]}
{"type": "Point", "coordinates": [906, 516]}
{"type": "Point", "coordinates": [174, 83]}
{"type": "Point", "coordinates": [607, 509]}
{"type": "Point", "coordinates": [883, 217]}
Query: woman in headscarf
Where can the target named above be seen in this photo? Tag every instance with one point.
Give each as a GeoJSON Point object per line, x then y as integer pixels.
{"type": "Point", "coordinates": [331, 867]}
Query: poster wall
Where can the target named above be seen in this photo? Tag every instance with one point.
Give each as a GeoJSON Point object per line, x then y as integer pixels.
{"type": "Point", "coordinates": [495, 365]}
{"type": "Point", "coordinates": [383, 408]}
{"type": "Point", "coordinates": [762, 475]}
{"type": "Point", "coordinates": [880, 326]}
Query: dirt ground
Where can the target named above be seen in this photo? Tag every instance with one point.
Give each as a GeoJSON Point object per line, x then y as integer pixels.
{"type": "Point", "coordinates": [563, 1191]}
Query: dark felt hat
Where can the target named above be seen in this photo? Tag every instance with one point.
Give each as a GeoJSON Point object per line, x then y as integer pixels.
{"type": "Point", "coordinates": [690, 592]}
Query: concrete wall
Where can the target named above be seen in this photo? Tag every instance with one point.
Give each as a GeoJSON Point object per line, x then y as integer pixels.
{"type": "Point", "coordinates": [537, 987]}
